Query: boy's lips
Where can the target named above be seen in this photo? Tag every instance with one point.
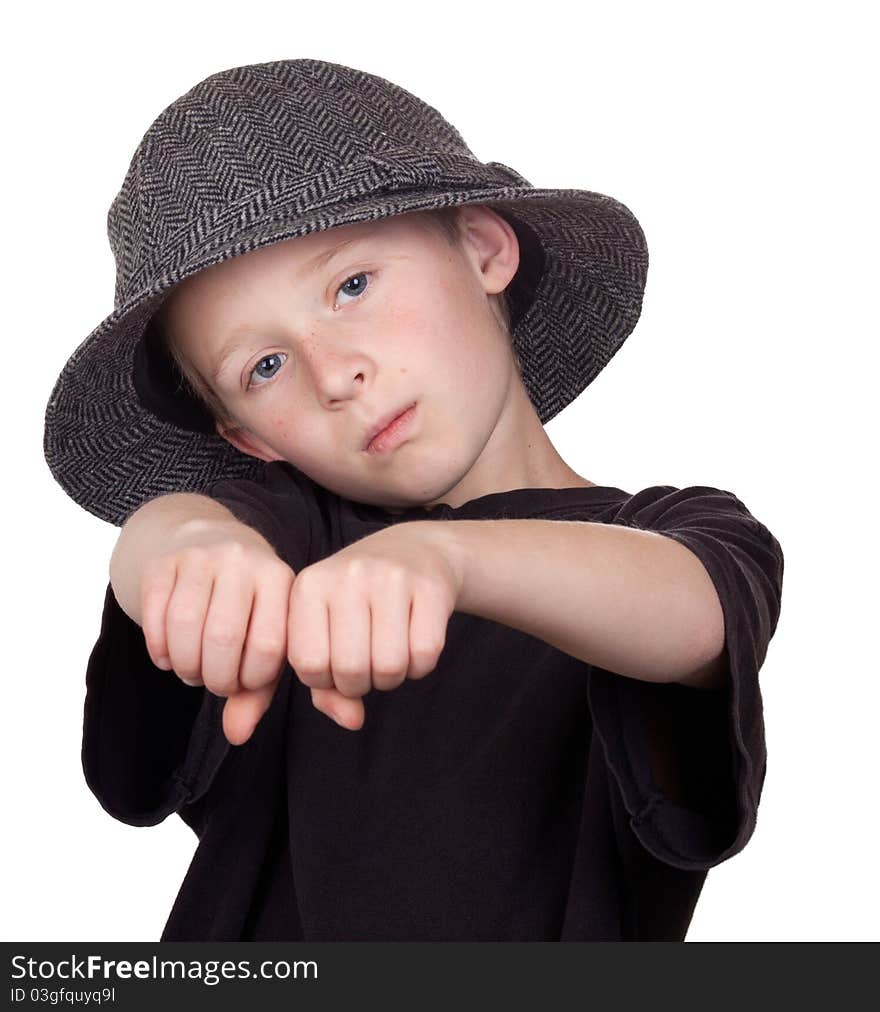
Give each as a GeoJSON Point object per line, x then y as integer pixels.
{"type": "Point", "coordinates": [387, 427]}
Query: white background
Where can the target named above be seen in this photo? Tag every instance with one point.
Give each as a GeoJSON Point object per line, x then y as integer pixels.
{"type": "Point", "coordinates": [740, 136]}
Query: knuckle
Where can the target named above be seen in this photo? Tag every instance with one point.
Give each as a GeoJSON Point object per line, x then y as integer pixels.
{"type": "Point", "coordinates": [154, 588]}
{"type": "Point", "coordinates": [427, 652]}
{"type": "Point", "coordinates": [306, 663]}
{"type": "Point", "coordinates": [237, 553]}
{"type": "Point", "coordinates": [352, 681]}
{"type": "Point", "coordinates": [388, 680]}
{"type": "Point", "coordinates": [220, 685]}
{"type": "Point", "coordinates": [356, 571]}
{"type": "Point", "coordinates": [385, 666]}
{"type": "Point", "coordinates": [423, 662]}
{"type": "Point", "coordinates": [265, 649]}
{"type": "Point", "coordinates": [316, 680]}
{"type": "Point", "coordinates": [305, 583]}
{"type": "Point", "coordinates": [394, 573]}
{"type": "Point", "coordinates": [154, 578]}
{"type": "Point", "coordinates": [389, 671]}
{"type": "Point", "coordinates": [279, 569]}
{"type": "Point", "coordinates": [184, 615]}
{"type": "Point", "coordinates": [222, 637]}
{"type": "Point", "coordinates": [252, 679]}
{"type": "Point", "coordinates": [347, 671]}
{"type": "Point", "coordinates": [193, 555]}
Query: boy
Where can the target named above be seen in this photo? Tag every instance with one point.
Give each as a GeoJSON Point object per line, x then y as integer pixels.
{"type": "Point", "coordinates": [566, 727]}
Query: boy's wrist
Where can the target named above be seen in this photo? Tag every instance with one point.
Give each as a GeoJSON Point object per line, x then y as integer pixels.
{"type": "Point", "coordinates": [446, 535]}
{"type": "Point", "coordinates": [202, 529]}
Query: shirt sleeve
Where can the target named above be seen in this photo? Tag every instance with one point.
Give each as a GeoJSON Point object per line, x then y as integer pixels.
{"type": "Point", "coordinates": [151, 744]}
{"type": "Point", "coordinates": [690, 762]}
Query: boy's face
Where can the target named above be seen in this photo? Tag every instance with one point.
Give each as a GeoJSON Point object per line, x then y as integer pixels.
{"type": "Point", "coordinates": [317, 351]}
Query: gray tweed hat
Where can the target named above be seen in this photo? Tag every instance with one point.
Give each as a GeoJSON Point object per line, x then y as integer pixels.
{"type": "Point", "coordinates": [258, 154]}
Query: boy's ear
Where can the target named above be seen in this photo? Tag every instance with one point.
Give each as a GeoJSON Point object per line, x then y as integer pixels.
{"type": "Point", "coordinates": [246, 442]}
{"type": "Point", "coordinates": [492, 244]}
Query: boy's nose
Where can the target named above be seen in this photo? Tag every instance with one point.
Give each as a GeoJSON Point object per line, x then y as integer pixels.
{"type": "Point", "coordinates": [338, 376]}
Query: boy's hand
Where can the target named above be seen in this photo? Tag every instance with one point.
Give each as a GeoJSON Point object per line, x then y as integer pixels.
{"type": "Point", "coordinates": [215, 611]}
{"type": "Point", "coordinates": [371, 615]}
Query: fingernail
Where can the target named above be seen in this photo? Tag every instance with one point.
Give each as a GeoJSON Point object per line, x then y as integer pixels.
{"type": "Point", "coordinates": [191, 681]}
{"type": "Point", "coordinates": [164, 663]}
{"type": "Point", "coordinates": [338, 721]}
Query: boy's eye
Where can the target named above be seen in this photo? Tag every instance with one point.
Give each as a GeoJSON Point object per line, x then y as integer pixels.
{"type": "Point", "coordinates": [267, 358]}
{"type": "Point", "coordinates": [357, 283]}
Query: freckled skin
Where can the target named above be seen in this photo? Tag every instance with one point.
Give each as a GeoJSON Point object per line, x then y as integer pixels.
{"type": "Point", "coordinates": [421, 326]}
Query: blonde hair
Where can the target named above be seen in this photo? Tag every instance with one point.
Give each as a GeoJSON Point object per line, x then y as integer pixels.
{"type": "Point", "coordinates": [444, 220]}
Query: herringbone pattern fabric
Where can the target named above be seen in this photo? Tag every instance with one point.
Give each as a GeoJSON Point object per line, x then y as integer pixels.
{"type": "Point", "coordinates": [261, 153]}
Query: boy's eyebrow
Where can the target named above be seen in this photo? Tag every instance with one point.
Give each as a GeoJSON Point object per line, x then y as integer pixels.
{"type": "Point", "coordinates": [309, 267]}
{"type": "Point", "coordinates": [321, 259]}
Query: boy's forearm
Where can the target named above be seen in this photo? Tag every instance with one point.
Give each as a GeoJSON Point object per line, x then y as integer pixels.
{"type": "Point", "coordinates": [169, 520]}
{"type": "Point", "coordinates": [627, 600]}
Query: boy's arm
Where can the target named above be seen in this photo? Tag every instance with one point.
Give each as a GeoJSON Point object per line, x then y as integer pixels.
{"type": "Point", "coordinates": [627, 600]}
{"type": "Point", "coordinates": [169, 521]}
{"type": "Point", "coordinates": [684, 768]}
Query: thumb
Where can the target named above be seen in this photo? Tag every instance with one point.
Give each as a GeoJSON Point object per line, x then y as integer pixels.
{"type": "Point", "coordinates": [347, 712]}
{"type": "Point", "coordinates": [243, 711]}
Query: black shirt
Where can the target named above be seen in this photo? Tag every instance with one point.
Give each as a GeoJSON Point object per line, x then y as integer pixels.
{"type": "Point", "coordinates": [513, 794]}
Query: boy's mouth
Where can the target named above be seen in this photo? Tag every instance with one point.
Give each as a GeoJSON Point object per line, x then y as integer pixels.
{"type": "Point", "coordinates": [388, 431]}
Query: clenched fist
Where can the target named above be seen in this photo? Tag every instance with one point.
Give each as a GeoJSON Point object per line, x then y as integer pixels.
{"type": "Point", "coordinates": [224, 611]}
{"type": "Point", "coordinates": [371, 615]}
{"type": "Point", "coordinates": [215, 611]}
